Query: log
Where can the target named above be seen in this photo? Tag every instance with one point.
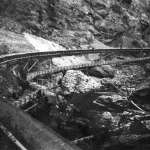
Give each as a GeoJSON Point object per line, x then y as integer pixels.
{"type": "Point", "coordinates": [12, 137]}
{"type": "Point", "coordinates": [32, 133]}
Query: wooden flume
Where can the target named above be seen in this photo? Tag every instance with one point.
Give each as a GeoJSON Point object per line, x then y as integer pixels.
{"type": "Point", "coordinates": [34, 134]}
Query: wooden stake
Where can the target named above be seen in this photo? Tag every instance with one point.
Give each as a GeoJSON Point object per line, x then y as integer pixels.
{"type": "Point", "coordinates": [11, 137]}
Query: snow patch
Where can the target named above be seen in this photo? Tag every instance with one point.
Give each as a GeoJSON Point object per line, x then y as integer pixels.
{"type": "Point", "coordinates": [41, 44]}
{"type": "Point", "coordinates": [70, 60]}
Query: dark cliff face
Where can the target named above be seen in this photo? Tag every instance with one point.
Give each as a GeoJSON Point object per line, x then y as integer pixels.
{"type": "Point", "coordinates": [80, 23]}
{"type": "Point", "coordinates": [31, 15]}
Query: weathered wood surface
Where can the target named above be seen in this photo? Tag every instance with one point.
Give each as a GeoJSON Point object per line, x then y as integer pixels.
{"type": "Point", "coordinates": [32, 133]}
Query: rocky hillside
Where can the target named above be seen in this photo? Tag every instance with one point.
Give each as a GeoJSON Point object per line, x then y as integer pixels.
{"type": "Point", "coordinates": [103, 107]}
{"type": "Point", "coordinates": [80, 23]}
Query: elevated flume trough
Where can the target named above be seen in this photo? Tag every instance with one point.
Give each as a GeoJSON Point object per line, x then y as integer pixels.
{"type": "Point", "coordinates": [33, 133]}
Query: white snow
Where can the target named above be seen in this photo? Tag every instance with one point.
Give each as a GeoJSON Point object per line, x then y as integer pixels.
{"type": "Point", "coordinates": [41, 44]}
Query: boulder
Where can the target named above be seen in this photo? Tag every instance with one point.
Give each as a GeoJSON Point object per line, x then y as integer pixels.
{"type": "Point", "coordinates": [113, 101]}
{"type": "Point", "coordinates": [105, 71]}
{"type": "Point", "coordinates": [77, 82]}
{"type": "Point", "coordinates": [74, 81]}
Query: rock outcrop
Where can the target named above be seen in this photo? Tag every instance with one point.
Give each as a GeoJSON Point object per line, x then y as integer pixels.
{"type": "Point", "coordinates": [79, 23]}
{"type": "Point", "coordinates": [77, 82]}
{"type": "Point", "coordinates": [104, 71]}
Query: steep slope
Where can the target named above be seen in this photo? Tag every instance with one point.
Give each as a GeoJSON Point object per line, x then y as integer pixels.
{"type": "Point", "coordinates": [80, 23]}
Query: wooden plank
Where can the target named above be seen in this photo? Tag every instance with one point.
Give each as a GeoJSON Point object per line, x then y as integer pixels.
{"type": "Point", "coordinates": [33, 134]}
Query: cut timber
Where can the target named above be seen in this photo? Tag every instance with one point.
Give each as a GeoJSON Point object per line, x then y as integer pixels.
{"type": "Point", "coordinates": [32, 133]}
{"type": "Point", "coordinates": [12, 137]}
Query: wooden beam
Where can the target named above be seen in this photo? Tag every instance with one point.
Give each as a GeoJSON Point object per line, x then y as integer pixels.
{"type": "Point", "coordinates": [32, 133]}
